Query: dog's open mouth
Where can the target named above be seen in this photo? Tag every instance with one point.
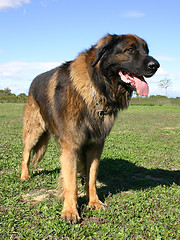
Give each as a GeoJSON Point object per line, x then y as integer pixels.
{"type": "Point", "coordinates": [138, 83]}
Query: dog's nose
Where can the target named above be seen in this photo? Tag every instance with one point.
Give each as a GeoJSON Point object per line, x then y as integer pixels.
{"type": "Point", "coordinates": [153, 65]}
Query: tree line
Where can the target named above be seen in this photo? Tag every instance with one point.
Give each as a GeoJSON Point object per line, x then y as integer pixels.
{"type": "Point", "coordinates": [7, 96]}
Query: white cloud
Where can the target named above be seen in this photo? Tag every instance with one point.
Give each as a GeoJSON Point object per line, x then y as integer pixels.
{"type": "Point", "coordinates": [43, 3]}
{"type": "Point", "coordinates": [165, 58]}
{"type": "Point", "coordinates": [161, 72]}
{"type": "Point", "coordinates": [6, 4]}
{"type": "Point", "coordinates": [133, 14]}
{"type": "Point", "coordinates": [19, 75]}
{"type": "Point", "coordinates": [24, 68]}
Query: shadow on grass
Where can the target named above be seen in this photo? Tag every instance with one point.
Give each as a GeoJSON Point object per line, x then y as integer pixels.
{"type": "Point", "coordinates": [46, 172]}
{"type": "Point", "coordinates": [121, 175]}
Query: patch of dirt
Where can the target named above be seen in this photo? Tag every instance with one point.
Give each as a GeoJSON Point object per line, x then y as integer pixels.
{"type": "Point", "coordinates": [170, 128]}
{"type": "Point", "coordinates": [3, 208]}
{"type": "Point", "coordinates": [6, 171]}
{"type": "Point", "coordinates": [41, 194]}
{"type": "Point", "coordinates": [175, 169]}
{"type": "Point", "coordinates": [35, 197]}
{"type": "Point", "coordinates": [16, 237]}
{"type": "Point", "coordinates": [97, 220]}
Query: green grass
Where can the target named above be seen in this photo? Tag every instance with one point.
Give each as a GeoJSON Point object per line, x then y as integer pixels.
{"type": "Point", "coordinates": [138, 179]}
{"type": "Point", "coordinates": [155, 100]}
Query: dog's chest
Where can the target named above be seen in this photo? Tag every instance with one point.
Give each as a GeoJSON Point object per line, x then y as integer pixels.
{"type": "Point", "coordinates": [102, 127]}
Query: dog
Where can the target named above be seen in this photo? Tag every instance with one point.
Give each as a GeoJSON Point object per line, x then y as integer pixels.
{"type": "Point", "coordinates": [78, 103]}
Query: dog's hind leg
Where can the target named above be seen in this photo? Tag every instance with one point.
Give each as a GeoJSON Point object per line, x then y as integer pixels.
{"type": "Point", "coordinates": [40, 148]}
{"type": "Point", "coordinates": [33, 129]}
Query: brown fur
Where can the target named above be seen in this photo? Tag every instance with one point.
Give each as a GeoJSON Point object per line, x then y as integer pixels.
{"type": "Point", "coordinates": [66, 102]}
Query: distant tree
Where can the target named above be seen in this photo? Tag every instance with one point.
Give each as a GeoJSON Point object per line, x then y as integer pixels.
{"type": "Point", "coordinates": [7, 90]}
{"type": "Point", "coordinates": [22, 97]}
{"type": "Point", "coordinates": [165, 83]}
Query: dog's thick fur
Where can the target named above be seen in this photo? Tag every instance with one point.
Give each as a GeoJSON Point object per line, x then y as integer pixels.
{"type": "Point", "coordinates": [78, 102]}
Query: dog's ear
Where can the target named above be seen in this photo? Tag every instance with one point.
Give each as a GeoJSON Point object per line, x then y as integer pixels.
{"type": "Point", "coordinates": [103, 45]}
{"type": "Point", "coordinates": [99, 53]}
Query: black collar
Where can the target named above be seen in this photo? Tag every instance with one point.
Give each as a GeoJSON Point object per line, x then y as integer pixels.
{"type": "Point", "coordinates": [101, 112]}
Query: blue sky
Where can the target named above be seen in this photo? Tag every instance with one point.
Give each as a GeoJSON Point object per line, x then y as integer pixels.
{"type": "Point", "coordinates": [37, 35]}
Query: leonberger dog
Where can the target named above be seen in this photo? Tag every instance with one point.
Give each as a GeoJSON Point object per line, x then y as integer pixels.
{"type": "Point", "coordinates": [78, 103]}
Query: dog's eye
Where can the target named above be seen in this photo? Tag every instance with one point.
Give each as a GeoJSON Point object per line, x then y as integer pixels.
{"type": "Point", "coordinates": [130, 50]}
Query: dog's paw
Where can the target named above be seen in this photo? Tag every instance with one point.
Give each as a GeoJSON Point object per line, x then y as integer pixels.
{"type": "Point", "coordinates": [25, 174]}
{"type": "Point", "coordinates": [97, 205]}
{"type": "Point", "coordinates": [25, 177]}
{"type": "Point", "coordinates": [71, 216]}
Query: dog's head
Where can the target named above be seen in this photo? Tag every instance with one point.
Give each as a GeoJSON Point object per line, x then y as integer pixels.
{"type": "Point", "coordinates": [125, 58]}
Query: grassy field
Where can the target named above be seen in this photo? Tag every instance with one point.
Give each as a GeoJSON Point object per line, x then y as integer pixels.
{"type": "Point", "coordinates": [138, 179]}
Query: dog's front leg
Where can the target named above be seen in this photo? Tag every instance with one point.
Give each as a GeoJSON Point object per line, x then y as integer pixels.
{"type": "Point", "coordinates": [93, 158]}
{"type": "Point", "coordinates": [68, 161]}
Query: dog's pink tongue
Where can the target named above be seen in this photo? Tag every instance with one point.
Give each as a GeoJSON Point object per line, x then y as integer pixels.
{"type": "Point", "coordinates": [141, 87]}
